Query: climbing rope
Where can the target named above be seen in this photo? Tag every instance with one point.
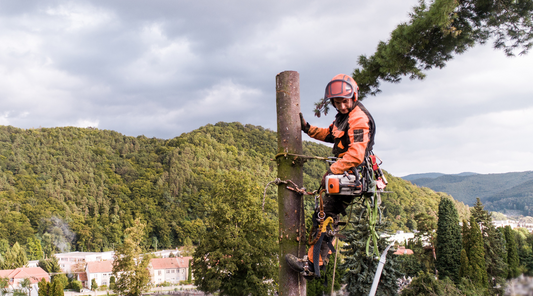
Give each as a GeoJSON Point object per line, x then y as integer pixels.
{"type": "Point", "coordinates": [296, 156]}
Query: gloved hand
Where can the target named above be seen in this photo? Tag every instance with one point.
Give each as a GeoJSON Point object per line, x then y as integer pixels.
{"type": "Point", "coordinates": [323, 182]}
{"type": "Point", "coordinates": [305, 124]}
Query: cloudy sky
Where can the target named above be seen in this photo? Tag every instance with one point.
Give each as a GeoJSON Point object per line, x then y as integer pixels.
{"type": "Point", "coordinates": [161, 68]}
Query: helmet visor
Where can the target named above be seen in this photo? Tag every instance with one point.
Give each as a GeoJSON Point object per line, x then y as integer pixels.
{"type": "Point", "coordinates": [339, 89]}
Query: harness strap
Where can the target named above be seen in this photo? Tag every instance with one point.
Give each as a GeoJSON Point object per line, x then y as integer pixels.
{"type": "Point", "coordinates": [331, 247]}
{"type": "Point", "coordinates": [316, 254]}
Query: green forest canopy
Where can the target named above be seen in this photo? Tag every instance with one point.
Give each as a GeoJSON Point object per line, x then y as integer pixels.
{"type": "Point", "coordinates": [80, 188]}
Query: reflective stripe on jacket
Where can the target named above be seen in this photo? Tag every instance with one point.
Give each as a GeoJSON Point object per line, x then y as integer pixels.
{"type": "Point", "coordinates": [352, 136]}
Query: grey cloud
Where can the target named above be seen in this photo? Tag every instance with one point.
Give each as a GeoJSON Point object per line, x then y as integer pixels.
{"type": "Point", "coordinates": [161, 68]}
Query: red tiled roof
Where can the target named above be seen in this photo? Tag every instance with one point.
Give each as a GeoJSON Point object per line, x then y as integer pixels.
{"type": "Point", "coordinates": [183, 261]}
{"type": "Point", "coordinates": [35, 274]}
{"type": "Point", "coordinates": [170, 263]}
{"type": "Point", "coordinates": [5, 273]}
{"type": "Point", "coordinates": [403, 251]}
{"type": "Point", "coordinates": [82, 277]}
{"type": "Point", "coordinates": [100, 266]}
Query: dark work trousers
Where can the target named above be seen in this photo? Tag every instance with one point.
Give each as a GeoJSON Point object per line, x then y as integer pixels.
{"type": "Point", "coordinates": [333, 206]}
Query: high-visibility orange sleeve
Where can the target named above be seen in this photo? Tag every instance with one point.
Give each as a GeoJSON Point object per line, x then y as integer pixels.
{"type": "Point", "coordinates": [322, 134]}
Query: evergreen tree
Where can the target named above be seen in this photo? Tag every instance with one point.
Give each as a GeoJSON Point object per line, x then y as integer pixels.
{"type": "Point", "coordinates": [465, 269]}
{"type": "Point", "coordinates": [476, 256]}
{"type": "Point", "coordinates": [466, 237]}
{"type": "Point", "coordinates": [360, 269]}
{"type": "Point", "coordinates": [512, 253]}
{"type": "Point", "coordinates": [130, 267]}
{"type": "Point", "coordinates": [94, 285]}
{"type": "Point", "coordinates": [44, 288]}
{"type": "Point", "coordinates": [494, 243]}
{"type": "Point", "coordinates": [448, 249]}
{"type": "Point", "coordinates": [56, 289]}
{"type": "Point", "coordinates": [112, 281]}
{"type": "Point", "coordinates": [238, 255]}
{"type": "Point", "coordinates": [189, 273]}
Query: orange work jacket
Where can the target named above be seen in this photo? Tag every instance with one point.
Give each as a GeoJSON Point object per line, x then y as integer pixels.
{"type": "Point", "coordinates": [352, 136]}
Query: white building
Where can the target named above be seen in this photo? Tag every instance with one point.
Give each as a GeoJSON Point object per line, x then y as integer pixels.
{"type": "Point", "coordinates": [503, 223]}
{"type": "Point", "coordinates": [513, 224]}
{"type": "Point", "coordinates": [101, 271]}
{"type": "Point", "coordinates": [171, 270]}
{"type": "Point", "coordinates": [74, 262]}
{"type": "Point", "coordinates": [166, 253]}
{"type": "Point", "coordinates": [399, 237]}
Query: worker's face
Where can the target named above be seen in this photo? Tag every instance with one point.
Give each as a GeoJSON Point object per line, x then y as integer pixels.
{"type": "Point", "coordinates": [344, 105]}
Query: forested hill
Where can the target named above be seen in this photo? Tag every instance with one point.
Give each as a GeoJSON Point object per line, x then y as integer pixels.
{"type": "Point", "coordinates": [78, 189]}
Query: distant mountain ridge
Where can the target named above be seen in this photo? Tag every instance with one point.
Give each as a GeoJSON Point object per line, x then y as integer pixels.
{"type": "Point", "coordinates": [499, 192]}
{"type": "Point", "coordinates": [412, 177]}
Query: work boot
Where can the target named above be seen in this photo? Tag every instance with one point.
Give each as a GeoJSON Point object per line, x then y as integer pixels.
{"type": "Point", "coordinates": [294, 263]}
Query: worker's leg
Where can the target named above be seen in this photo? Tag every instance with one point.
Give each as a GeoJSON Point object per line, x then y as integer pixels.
{"type": "Point", "coordinates": [333, 206]}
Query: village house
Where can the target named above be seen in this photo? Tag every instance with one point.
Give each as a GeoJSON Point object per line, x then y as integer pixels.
{"type": "Point", "coordinates": [101, 271]}
{"type": "Point", "coordinates": [171, 270]}
{"type": "Point", "coordinates": [16, 276]}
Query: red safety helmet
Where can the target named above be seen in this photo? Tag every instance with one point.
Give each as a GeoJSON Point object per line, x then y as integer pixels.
{"type": "Point", "coordinates": [341, 86]}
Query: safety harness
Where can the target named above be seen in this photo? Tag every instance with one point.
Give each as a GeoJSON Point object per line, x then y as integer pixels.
{"type": "Point", "coordinates": [365, 181]}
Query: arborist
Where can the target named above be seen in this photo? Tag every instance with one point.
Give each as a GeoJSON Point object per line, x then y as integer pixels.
{"type": "Point", "coordinates": [352, 134]}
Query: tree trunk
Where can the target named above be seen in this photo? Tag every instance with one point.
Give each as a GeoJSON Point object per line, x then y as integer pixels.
{"type": "Point", "coordinates": [291, 212]}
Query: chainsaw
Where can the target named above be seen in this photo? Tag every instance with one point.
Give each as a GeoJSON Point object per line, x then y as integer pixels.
{"type": "Point", "coordinates": [344, 184]}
